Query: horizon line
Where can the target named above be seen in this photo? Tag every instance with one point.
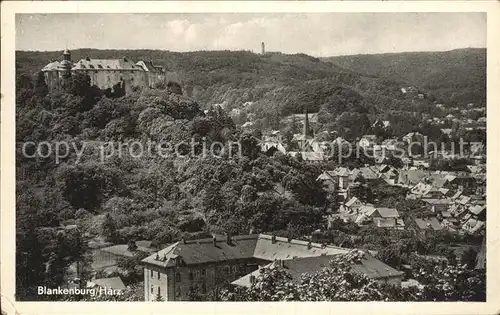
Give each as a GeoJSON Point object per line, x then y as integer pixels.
{"type": "Point", "coordinates": [251, 51]}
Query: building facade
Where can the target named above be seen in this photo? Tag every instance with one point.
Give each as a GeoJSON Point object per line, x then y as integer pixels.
{"type": "Point", "coordinates": [188, 270]}
{"type": "Point", "coordinates": [105, 73]}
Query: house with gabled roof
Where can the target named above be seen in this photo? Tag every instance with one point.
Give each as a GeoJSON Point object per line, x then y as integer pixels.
{"type": "Point", "coordinates": [431, 223]}
{"type": "Point", "coordinates": [367, 141]}
{"type": "Point", "coordinates": [353, 205]}
{"type": "Point", "coordinates": [473, 226]}
{"type": "Point", "coordinates": [114, 283]}
{"type": "Point", "coordinates": [413, 137]}
{"type": "Point", "coordinates": [438, 205]}
{"type": "Point", "coordinates": [367, 266]}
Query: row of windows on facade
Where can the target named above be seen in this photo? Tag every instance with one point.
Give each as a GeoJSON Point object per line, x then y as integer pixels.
{"type": "Point", "coordinates": [198, 273]}
{"type": "Point", "coordinates": [178, 292]}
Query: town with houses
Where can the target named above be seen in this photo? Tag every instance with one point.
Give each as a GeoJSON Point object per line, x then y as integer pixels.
{"type": "Point", "coordinates": [312, 209]}
{"type": "Point", "coordinates": [455, 201]}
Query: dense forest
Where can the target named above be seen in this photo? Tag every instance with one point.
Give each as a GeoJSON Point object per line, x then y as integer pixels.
{"type": "Point", "coordinates": [277, 85]}
{"type": "Point", "coordinates": [457, 76]}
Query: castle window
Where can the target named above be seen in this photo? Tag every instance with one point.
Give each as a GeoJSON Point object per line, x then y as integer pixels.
{"type": "Point", "coordinates": [203, 272]}
{"type": "Point", "coordinates": [235, 269]}
{"type": "Point", "coordinates": [152, 274]}
{"type": "Point", "coordinates": [159, 290]}
{"type": "Point", "coordinates": [99, 66]}
{"type": "Point", "coordinates": [197, 273]}
{"type": "Point", "coordinates": [152, 288]}
{"type": "Point", "coordinates": [226, 270]}
{"type": "Point", "coordinates": [83, 66]}
{"type": "Point", "coordinates": [177, 277]}
{"type": "Point", "coordinates": [91, 66]}
{"type": "Point", "coordinates": [190, 275]}
{"type": "Point", "coordinates": [158, 275]}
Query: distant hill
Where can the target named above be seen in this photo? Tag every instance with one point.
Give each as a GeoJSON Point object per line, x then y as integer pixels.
{"type": "Point", "coordinates": [277, 85]}
{"type": "Point", "coordinates": [457, 75]}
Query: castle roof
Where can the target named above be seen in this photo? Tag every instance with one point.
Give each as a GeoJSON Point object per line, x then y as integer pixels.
{"type": "Point", "coordinates": [65, 64]}
{"type": "Point", "coordinates": [53, 65]}
{"type": "Point", "coordinates": [106, 64]}
{"type": "Point", "coordinates": [149, 66]}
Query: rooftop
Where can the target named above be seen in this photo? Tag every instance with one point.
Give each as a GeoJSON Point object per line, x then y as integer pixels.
{"type": "Point", "coordinates": [110, 283]}
{"type": "Point", "coordinates": [369, 266]}
{"type": "Point", "coordinates": [259, 246]}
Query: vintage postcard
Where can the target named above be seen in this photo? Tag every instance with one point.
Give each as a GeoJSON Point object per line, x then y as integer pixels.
{"type": "Point", "coordinates": [220, 154]}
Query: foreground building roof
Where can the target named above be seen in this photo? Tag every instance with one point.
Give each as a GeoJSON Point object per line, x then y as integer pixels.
{"type": "Point", "coordinates": [369, 266]}
{"type": "Point", "coordinates": [259, 246]}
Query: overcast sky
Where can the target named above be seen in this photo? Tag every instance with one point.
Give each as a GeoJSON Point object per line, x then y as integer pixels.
{"type": "Point", "coordinates": [317, 34]}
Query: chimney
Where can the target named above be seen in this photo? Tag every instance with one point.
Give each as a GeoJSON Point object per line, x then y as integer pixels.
{"type": "Point", "coordinates": [273, 239]}
{"type": "Point", "coordinates": [281, 263]}
{"type": "Point", "coordinates": [306, 131]}
{"type": "Point", "coordinates": [157, 256]}
{"type": "Point", "coordinates": [252, 279]}
{"type": "Point", "coordinates": [289, 239]}
{"type": "Point", "coordinates": [309, 245]}
{"type": "Point", "coordinates": [214, 241]}
{"type": "Point", "coordinates": [228, 238]}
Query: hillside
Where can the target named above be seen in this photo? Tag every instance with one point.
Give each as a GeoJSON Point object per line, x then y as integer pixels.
{"type": "Point", "coordinates": [457, 75]}
{"type": "Point", "coordinates": [276, 85]}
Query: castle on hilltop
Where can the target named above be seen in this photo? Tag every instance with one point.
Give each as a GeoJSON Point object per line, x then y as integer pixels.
{"type": "Point", "coordinates": [107, 74]}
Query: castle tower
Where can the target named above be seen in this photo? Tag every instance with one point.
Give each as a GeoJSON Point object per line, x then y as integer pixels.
{"type": "Point", "coordinates": [67, 55]}
{"type": "Point", "coordinates": [65, 66]}
{"type": "Point", "coordinates": [263, 48]}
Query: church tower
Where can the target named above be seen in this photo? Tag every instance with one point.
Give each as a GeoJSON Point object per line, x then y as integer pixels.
{"type": "Point", "coordinates": [263, 48]}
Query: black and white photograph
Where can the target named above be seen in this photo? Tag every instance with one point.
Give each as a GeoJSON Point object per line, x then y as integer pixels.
{"type": "Point", "coordinates": [251, 157]}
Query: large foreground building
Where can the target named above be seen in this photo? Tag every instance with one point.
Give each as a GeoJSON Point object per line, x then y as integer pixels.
{"type": "Point", "coordinates": [195, 267]}
{"type": "Point", "coordinates": [106, 73]}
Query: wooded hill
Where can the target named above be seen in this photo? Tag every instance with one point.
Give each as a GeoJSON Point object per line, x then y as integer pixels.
{"type": "Point", "coordinates": [278, 85]}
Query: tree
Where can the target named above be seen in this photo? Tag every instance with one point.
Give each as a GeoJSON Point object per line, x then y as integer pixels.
{"type": "Point", "coordinates": [159, 298]}
{"type": "Point", "coordinates": [109, 230]}
{"type": "Point", "coordinates": [174, 87]}
{"type": "Point", "coordinates": [249, 146]}
{"type": "Point", "coordinates": [41, 87]}
{"type": "Point", "coordinates": [469, 258]}
{"type": "Point", "coordinates": [24, 81]}
{"type": "Point", "coordinates": [131, 246]}
{"type": "Point", "coordinates": [337, 282]}
{"type": "Point", "coordinates": [452, 282]}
